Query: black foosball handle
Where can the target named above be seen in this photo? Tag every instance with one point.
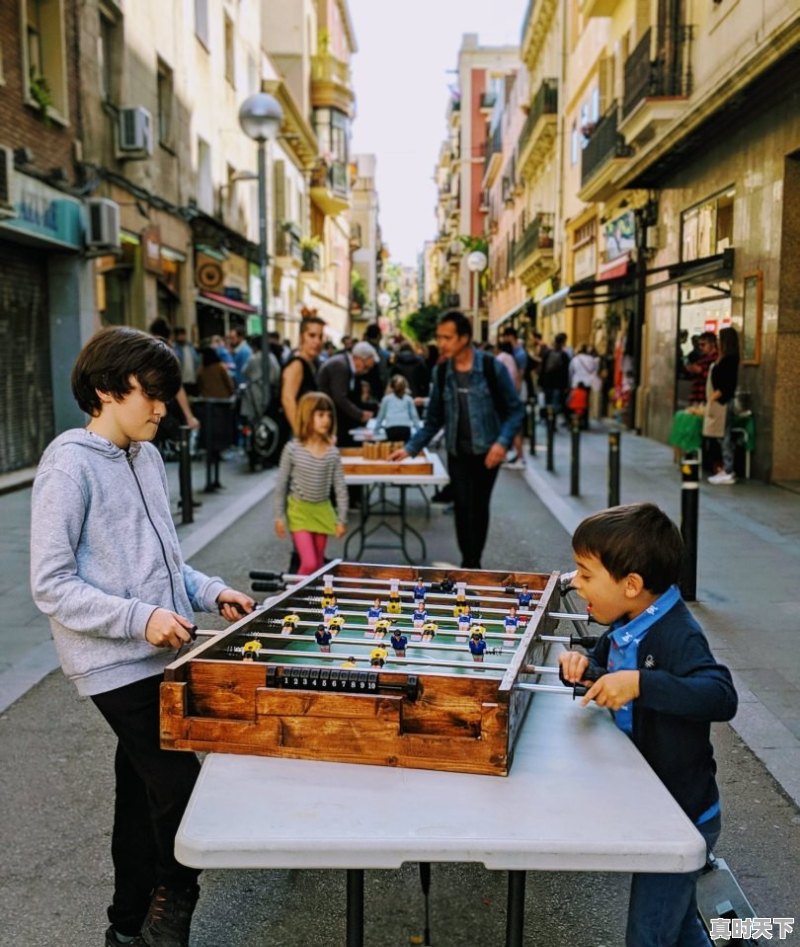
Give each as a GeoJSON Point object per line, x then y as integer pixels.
{"type": "Point", "coordinates": [271, 586]}
{"type": "Point", "coordinates": [583, 641]}
{"type": "Point", "coordinates": [590, 674]}
{"type": "Point", "coordinates": [266, 576]}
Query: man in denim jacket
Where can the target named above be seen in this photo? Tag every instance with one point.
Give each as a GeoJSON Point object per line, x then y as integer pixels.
{"type": "Point", "coordinates": [481, 412]}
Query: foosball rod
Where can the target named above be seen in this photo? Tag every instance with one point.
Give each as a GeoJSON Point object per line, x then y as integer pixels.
{"type": "Point", "coordinates": [374, 642]}
{"type": "Point", "coordinates": [346, 580]}
{"type": "Point", "coordinates": [399, 616]}
{"type": "Point", "coordinates": [326, 656]}
{"type": "Point", "coordinates": [505, 635]}
{"type": "Point", "coordinates": [436, 600]}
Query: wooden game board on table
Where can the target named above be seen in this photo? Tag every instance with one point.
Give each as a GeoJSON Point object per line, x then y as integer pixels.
{"type": "Point", "coordinates": [266, 687]}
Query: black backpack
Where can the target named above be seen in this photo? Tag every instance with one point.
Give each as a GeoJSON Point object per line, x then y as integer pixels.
{"type": "Point", "coordinates": [490, 374]}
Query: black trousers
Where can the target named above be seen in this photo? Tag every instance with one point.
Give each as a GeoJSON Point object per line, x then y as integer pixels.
{"type": "Point", "coordinates": [153, 787]}
{"type": "Point", "coordinates": [472, 486]}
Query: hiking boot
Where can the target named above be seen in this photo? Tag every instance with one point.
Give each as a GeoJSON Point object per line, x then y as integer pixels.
{"type": "Point", "coordinates": [113, 941]}
{"type": "Point", "coordinates": [169, 917]}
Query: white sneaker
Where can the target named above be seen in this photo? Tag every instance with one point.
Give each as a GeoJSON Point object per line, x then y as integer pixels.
{"type": "Point", "coordinates": [722, 479]}
{"type": "Point", "coordinates": [518, 464]}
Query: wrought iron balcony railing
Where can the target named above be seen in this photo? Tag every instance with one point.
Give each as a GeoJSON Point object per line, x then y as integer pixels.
{"type": "Point", "coordinates": [669, 74]}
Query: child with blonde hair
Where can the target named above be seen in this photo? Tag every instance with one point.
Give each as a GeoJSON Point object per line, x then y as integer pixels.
{"type": "Point", "coordinates": [398, 414]}
{"type": "Point", "coordinates": [310, 468]}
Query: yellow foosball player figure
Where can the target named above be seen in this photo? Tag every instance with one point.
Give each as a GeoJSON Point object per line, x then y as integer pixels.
{"type": "Point", "coordinates": [429, 630]}
{"type": "Point", "coordinates": [393, 606]}
{"type": "Point", "coordinates": [377, 657]}
{"type": "Point", "coordinates": [250, 650]}
{"type": "Point", "coordinates": [327, 591]}
{"type": "Point", "coordinates": [289, 624]}
{"type": "Point", "coordinates": [461, 600]}
{"type": "Point", "coordinates": [335, 624]}
{"type": "Point", "coordinates": [382, 627]}
{"type": "Point", "coordinates": [350, 664]}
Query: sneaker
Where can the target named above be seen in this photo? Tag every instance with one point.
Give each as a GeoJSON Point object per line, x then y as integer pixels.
{"type": "Point", "coordinates": [511, 458]}
{"type": "Point", "coordinates": [722, 479]}
{"type": "Point", "coordinates": [169, 917]}
{"type": "Point", "coordinates": [113, 941]}
{"type": "Point", "coordinates": [518, 464]}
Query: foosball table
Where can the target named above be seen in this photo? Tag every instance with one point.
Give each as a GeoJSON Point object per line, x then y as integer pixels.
{"type": "Point", "coordinates": [412, 667]}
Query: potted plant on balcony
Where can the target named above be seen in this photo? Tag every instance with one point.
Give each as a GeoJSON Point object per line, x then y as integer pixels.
{"type": "Point", "coordinates": [309, 248]}
{"type": "Point", "coordinates": [545, 235]}
{"type": "Point", "coordinates": [39, 91]}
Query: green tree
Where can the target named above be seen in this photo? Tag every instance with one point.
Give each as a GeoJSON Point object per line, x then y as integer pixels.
{"type": "Point", "coordinates": [421, 325]}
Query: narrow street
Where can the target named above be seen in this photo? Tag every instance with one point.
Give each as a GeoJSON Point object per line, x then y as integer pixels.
{"type": "Point", "coordinates": [57, 786]}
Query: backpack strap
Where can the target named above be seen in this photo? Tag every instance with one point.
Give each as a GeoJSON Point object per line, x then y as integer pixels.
{"type": "Point", "coordinates": [490, 374]}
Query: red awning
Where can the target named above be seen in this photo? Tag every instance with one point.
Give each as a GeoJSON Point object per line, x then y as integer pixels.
{"type": "Point", "coordinates": [614, 269]}
{"type": "Point", "coordinates": [224, 302]}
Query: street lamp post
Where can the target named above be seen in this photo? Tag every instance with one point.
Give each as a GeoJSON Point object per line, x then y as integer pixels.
{"type": "Point", "coordinates": [260, 118]}
{"type": "Point", "coordinates": [477, 262]}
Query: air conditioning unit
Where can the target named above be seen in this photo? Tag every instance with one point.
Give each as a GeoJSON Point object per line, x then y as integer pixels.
{"type": "Point", "coordinates": [6, 170]}
{"type": "Point", "coordinates": [134, 133]}
{"type": "Point", "coordinates": [102, 231]}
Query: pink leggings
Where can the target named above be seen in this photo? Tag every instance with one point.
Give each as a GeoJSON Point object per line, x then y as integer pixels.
{"type": "Point", "coordinates": [311, 549]}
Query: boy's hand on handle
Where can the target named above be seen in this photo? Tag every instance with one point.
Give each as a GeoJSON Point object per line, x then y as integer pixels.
{"type": "Point", "coordinates": [573, 666]}
{"type": "Point", "coordinates": [280, 529]}
{"type": "Point", "coordinates": [232, 604]}
{"type": "Point", "coordinates": [614, 690]}
{"type": "Point", "coordinates": [341, 529]}
{"type": "Point", "coordinates": [167, 629]}
{"type": "Point", "coordinates": [398, 454]}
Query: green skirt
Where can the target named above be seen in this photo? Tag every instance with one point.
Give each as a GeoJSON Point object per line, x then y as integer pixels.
{"type": "Point", "coordinates": [303, 515]}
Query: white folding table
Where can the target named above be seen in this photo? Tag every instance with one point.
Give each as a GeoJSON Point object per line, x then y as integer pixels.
{"type": "Point", "coordinates": [382, 508]}
{"type": "Point", "coordinates": [528, 819]}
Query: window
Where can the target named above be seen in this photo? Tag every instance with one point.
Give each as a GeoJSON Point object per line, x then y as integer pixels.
{"type": "Point", "coordinates": [201, 21]}
{"type": "Point", "coordinates": [205, 186]}
{"type": "Point", "coordinates": [107, 55]}
{"type": "Point", "coordinates": [44, 55]}
{"type": "Point", "coordinates": [230, 74]}
{"type": "Point", "coordinates": [707, 228]}
{"type": "Point", "coordinates": [165, 101]}
{"type": "Point", "coordinates": [574, 146]}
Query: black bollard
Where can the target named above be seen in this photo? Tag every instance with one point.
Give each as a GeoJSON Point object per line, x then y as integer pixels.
{"type": "Point", "coordinates": [690, 503]}
{"type": "Point", "coordinates": [551, 433]}
{"type": "Point", "coordinates": [532, 419]}
{"type": "Point", "coordinates": [575, 458]}
{"type": "Point", "coordinates": [614, 439]}
{"type": "Point", "coordinates": [185, 474]}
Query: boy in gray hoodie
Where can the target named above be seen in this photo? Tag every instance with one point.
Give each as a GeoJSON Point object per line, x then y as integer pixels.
{"type": "Point", "coordinates": [107, 569]}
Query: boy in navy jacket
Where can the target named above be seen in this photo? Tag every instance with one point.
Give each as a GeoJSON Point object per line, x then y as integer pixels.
{"type": "Point", "coordinates": [663, 686]}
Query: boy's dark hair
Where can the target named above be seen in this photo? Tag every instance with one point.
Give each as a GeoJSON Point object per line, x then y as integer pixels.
{"type": "Point", "coordinates": [462, 323]}
{"type": "Point", "coordinates": [112, 355]}
{"type": "Point", "coordinates": [637, 538]}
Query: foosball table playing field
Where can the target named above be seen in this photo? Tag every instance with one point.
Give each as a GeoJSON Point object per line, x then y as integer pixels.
{"type": "Point", "coordinates": [411, 667]}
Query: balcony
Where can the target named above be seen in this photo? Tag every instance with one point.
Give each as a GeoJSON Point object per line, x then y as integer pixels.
{"type": "Point", "coordinates": [538, 134]}
{"type": "Point", "coordinates": [539, 19]}
{"type": "Point", "coordinates": [330, 187]}
{"type": "Point", "coordinates": [331, 84]}
{"type": "Point", "coordinates": [487, 102]}
{"type": "Point", "coordinates": [656, 91]}
{"type": "Point", "coordinates": [602, 158]}
{"type": "Point", "coordinates": [533, 253]}
{"type": "Point", "coordinates": [311, 260]}
{"type": "Point", "coordinates": [288, 253]}
{"type": "Point", "coordinates": [590, 8]}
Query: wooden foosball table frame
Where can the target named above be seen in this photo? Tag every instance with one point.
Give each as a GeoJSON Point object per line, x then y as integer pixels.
{"type": "Point", "coordinates": [416, 711]}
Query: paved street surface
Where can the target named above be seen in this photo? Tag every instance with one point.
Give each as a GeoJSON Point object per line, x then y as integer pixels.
{"type": "Point", "coordinates": [56, 752]}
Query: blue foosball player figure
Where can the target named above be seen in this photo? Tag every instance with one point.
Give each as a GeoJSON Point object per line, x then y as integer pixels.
{"type": "Point", "coordinates": [464, 623]}
{"type": "Point", "coordinates": [511, 624]}
{"type": "Point", "coordinates": [331, 610]}
{"type": "Point", "coordinates": [525, 597]}
{"type": "Point", "coordinates": [398, 641]}
{"type": "Point", "coordinates": [374, 614]}
{"type": "Point", "coordinates": [477, 646]}
{"type": "Point", "coordinates": [323, 637]}
{"type": "Point", "coordinates": [419, 591]}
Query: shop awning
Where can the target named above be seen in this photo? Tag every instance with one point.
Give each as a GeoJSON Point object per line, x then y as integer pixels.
{"type": "Point", "coordinates": [706, 271]}
{"type": "Point", "coordinates": [216, 301]}
{"type": "Point", "coordinates": [513, 311]}
{"type": "Point", "coordinates": [553, 304]}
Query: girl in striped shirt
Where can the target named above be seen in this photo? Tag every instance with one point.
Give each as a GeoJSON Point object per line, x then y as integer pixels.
{"type": "Point", "coordinates": [310, 467]}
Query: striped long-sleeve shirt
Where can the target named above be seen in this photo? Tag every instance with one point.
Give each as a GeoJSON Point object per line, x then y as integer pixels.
{"type": "Point", "coordinates": [310, 478]}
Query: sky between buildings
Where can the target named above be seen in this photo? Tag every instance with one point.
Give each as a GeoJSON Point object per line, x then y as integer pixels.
{"type": "Point", "coordinates": [406, 56]}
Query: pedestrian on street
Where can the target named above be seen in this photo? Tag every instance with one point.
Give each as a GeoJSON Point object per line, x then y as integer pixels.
{"type": "Point", "coordinates": [654, 670]}
{"type": "Point", "coordinates": [398, 414]}
{"type": "Point", "coordinates": [338, 378]}
{"type": "Point", "coordinates": [721, 388]}
{"type": "Point", "coordinates": [299, 374]}
{"type": "Point", "coordinates": [107, 569]}
{"type": "Point", "coordinates": [474, 399]}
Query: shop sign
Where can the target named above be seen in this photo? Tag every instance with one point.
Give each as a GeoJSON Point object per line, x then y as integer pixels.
{"type": "Point", "coordinates": [584, 261]}
{"type": "Point", "coordinates": [151, 250]}
{"type": "Point", "coordinates": [44, 212]}
{"type": "Point", "coordinates": [620, 235]}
